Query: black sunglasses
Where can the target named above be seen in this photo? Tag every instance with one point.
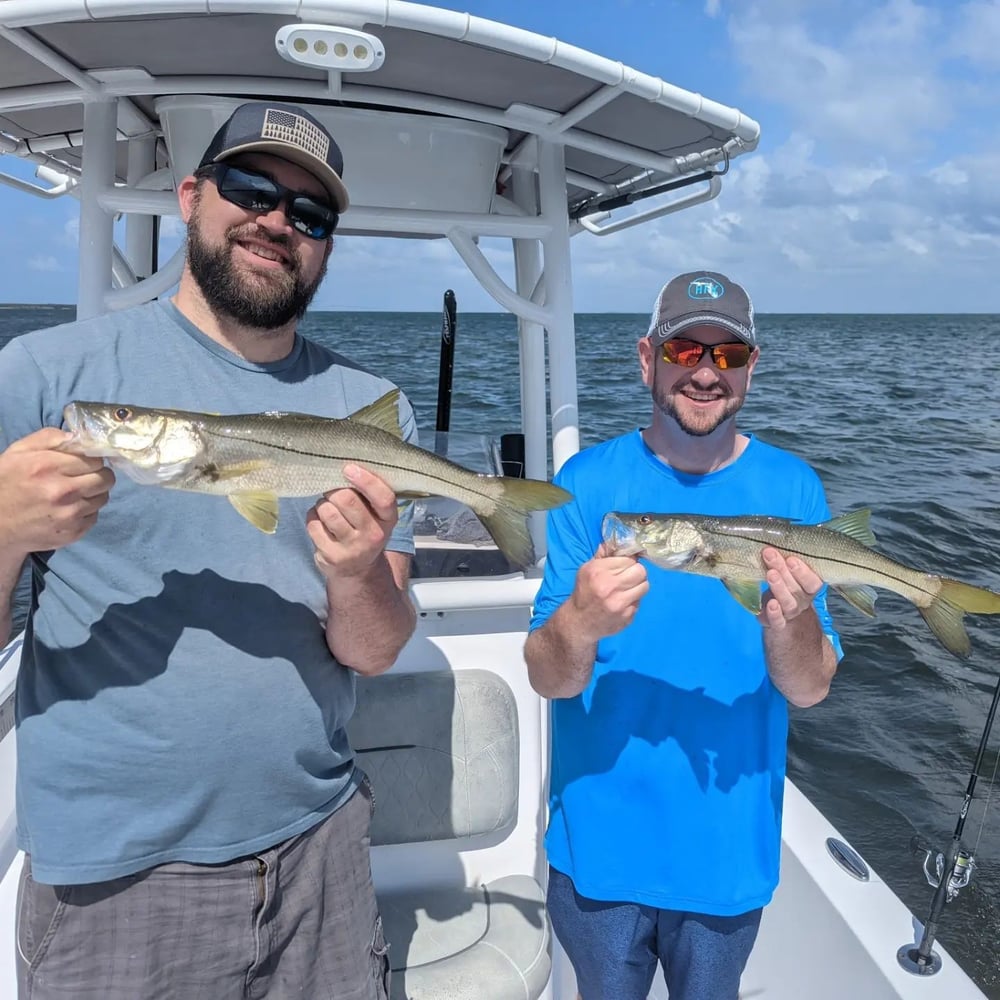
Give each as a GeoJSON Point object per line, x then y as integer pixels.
{"type": "Point", "coordinates": [257, 192]}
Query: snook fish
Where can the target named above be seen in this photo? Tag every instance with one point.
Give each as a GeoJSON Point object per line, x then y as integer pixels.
{"type": "Point", "coordinates": [839, 551]}
{"type": "Point", "coordinates": [254, 458]}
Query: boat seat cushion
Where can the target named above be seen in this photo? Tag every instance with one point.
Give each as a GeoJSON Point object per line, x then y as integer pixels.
{"type": "Point", "coordinates": [441, 750]}
{"type": "Point", "coordinates": [488, 942]}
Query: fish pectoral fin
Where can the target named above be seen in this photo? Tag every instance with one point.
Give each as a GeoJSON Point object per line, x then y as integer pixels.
{"type": "Point", "coordinates": [859, 596]}
{"type": "Point", "coordinates": [221, 473]}
{"type": "Point", "coordinates": [747, 592]}
{"type": "Point", "coordinates": [383, 413]}
{"type": "Point", "coordinates": [856, 525]}
{"type": "Point", "coordinates": [260, 509]}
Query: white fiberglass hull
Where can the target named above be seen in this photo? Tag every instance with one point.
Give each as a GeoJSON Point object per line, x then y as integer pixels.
{"type": "Point", "coordinates": [826, 935]}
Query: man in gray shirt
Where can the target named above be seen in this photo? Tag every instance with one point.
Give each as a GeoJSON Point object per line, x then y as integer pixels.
{"type": "Point", "coordinates": [193, 821]}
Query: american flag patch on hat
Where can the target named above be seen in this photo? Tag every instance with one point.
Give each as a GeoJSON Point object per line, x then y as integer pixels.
{"type": "Point", "coordinates": [287, 127]}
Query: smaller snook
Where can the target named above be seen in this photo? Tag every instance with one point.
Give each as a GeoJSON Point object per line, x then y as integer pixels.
{"type": "Point", "coordinates": [255, 458]}
{"type": "Point", "coordinates": [839, 551]}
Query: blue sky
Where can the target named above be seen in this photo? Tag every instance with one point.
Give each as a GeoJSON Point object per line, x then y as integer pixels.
{"type": "Point", "coordinates": [876, 186]}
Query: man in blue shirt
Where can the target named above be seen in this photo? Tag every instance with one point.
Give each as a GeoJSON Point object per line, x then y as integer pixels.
{"type": "Point", "coordinates": [192, 817]}
{"type": "Point", "coordinates": [669, 700]}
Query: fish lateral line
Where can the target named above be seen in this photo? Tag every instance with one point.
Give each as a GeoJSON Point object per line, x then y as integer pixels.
{"type": "Point", "coordinates": [471, 477]}
{"type": "Point", "coordinates": [810, 558]}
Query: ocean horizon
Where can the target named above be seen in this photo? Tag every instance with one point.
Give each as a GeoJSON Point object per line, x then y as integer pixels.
{"type": "Point", "coordinates": [501, 312]}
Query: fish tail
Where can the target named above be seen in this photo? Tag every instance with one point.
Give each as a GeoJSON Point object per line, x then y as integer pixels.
{"type": "Point", "coordinates": [507, 524]}
{"type": "Point", "coordinates": [976, 600]}
{"type": "Point", "coordinates": [945, 613]}
{"type": "Point", "coordinates": [945, 621]}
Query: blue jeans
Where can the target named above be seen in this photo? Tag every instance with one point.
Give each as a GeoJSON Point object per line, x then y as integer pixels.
{"type": "Point", "coordinates": [615, 947]}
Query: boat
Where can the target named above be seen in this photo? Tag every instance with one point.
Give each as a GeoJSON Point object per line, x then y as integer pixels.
{"type": "Point", "coordinates": [454, 128]}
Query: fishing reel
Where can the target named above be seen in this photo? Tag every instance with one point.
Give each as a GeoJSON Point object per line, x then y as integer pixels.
{"type": "Point", "coordinates": [934, 862]}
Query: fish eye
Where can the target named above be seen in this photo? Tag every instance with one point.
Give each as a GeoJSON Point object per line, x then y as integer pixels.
{"type": "Point", "coordinates": [645, 519]}
{"type": "Point", "coordinates": [122, 413]}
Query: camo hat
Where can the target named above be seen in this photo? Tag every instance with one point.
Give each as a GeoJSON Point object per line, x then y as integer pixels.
{"type": "Point", "coordinates": [702, 297]}
{"type": "Point", "coordinates": [285, 130]}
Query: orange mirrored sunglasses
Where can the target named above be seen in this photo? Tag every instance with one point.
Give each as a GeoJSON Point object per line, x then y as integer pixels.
{"type": "Point", "coordinates": [688, 353]}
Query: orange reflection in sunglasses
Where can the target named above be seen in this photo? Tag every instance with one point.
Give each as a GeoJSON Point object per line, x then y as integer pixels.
{"type": "Point", "coordinates": [688, 353]}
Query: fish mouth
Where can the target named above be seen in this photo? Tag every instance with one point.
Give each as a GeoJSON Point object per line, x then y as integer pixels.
{"type": "Point", "coordinates": [619, 538]}
{"type": "Point", "coordinates": [72, 418]}
{"type": "Point", "coordinates": [76, 424]}
{"type": "Point", "coordinates": [87, 437]}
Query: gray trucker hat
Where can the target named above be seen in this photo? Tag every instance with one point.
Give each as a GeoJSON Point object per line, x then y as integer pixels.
{"type": "Point", "coordinates": [702, 297]}
{"type": "Point", "coordinates": [285, 130]}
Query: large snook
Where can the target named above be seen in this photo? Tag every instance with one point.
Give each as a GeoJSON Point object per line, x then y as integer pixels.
{"type": "Point", "coordinates": [254, 458]}
{"type": "Point", "coordinates": [839, 551]}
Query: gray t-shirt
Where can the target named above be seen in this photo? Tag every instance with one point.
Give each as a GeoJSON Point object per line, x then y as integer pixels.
{"type": "Point", "coordinates": [176, 699]}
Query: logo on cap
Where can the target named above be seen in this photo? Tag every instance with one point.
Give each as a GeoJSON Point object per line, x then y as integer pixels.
{"type": "Point", "coordinates": [287, 127]}
{"type": "Point", "coordinates": [705, 288]}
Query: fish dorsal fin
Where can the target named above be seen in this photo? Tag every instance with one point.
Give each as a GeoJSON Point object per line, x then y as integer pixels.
{"type": "Point", "coordinates": [260, 509]}
{"type": "Point", "coordinates": [747, 592]}
{"type": "Point", "coordinates": [383, 413]}
{"type": "Point", "coordinates": [856, 525]}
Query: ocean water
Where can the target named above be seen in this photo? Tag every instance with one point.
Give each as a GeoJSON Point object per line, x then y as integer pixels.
{"type": "Point", "coordinates": [900, 413]}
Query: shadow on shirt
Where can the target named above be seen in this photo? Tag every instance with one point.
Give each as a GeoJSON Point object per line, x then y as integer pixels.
{"type": "Point", "coordinates": [712, 734]}
{"type": "Point", "coordinates": [133, 643]}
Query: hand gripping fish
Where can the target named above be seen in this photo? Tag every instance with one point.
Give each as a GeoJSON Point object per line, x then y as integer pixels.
{"type": "Point", "coordinates": [254, 458]}
{"type": "Point", "coordinates": [839, 551]}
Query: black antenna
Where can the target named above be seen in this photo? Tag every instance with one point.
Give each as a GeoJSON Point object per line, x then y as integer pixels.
{"type": "Point", "coordinates": [951, 870]}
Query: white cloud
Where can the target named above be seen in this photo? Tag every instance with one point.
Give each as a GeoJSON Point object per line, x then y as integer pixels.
{"type": "Point", "coordinates": [976, 33]}
{"type": "Point", "coordinates": [44, 262]}
{"type": "Point", "coordinates": [804, 236]}
{"type": "Point", "coordinates": [70, 236]}
{"type": "Point", "coordinates": [870, 79]}
{"type": "Point", "coordinates": [876, 172]}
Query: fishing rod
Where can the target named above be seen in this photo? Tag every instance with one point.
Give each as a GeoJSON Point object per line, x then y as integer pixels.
{"type": "Point", "coordinates": [950, 871]}
{"type": "Point", "coordinates": [445, 370]}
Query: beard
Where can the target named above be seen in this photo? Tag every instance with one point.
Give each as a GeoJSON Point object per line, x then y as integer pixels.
{"type": "Point", "coordinates": [263, 301]}
{"type": "Point", "coordinates": [694, 423]}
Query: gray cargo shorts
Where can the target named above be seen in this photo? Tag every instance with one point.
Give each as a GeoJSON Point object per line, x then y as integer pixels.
{"type": "Point", "coordinates": [299, 920]}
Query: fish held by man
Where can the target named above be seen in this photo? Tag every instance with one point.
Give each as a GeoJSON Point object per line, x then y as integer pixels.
{"type": "Point", "coordinates": [840, 551]}
{"type": "Point", "coordinates": [255, 458]}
